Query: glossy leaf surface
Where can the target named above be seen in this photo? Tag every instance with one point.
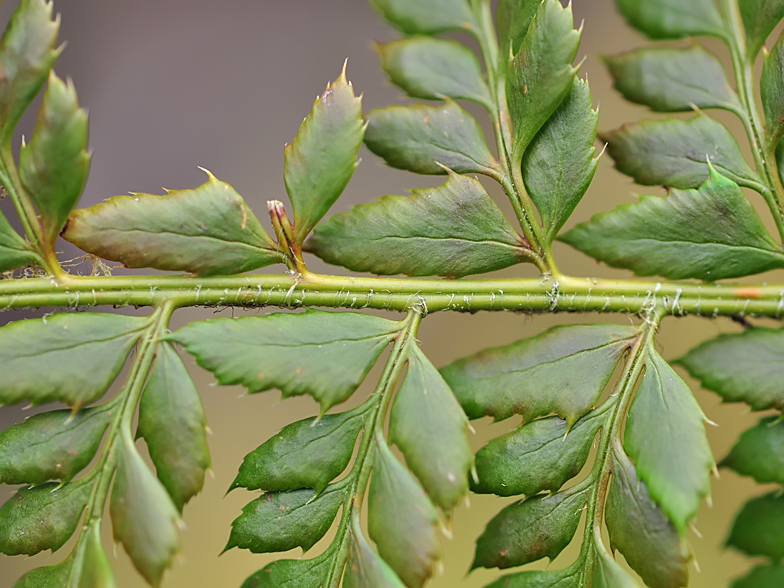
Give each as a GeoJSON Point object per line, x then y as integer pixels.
{"type": "Point", "coordinates": [665, 437]}
{"type": "Point", "coordinates": [779, 155]}
{"type": "Point", "coordinates": [430, 68]}
{"type": "Point", "coordinates": [640, 531]}
{"type": "Point", "coordinates": [324, 354]}
{"type": "Point", "coordinates": [606, 571]}
{"type": "Point", "coordinates": [744, 367]}
{"type": "Point", "coordinates": [673, 152]}
{"type": "Point", "coordinates": [27, 52]}
{"type": "Point", "coordinates": [53, 166]}
{"type": "Point", "coordinates": [426, 17]}
{"type": "Point", "coordinates": [759, 452]}
{"type": "Point", "coordinates": [424, 138]}
{"type": "Point", "coordinates": [14, 251]}
{"type": "Point", "coordinates": [401, 520]}
{"type": "Point", "coordinates": [206, 231]}
{"type": "Point", "coordinates": [292, 573]}
{"type": "Point", "coordinates": [430, 428]}
{"type": "Point", "coordinates": [306, 454]}
{"type": "Point", "coordinates": [322, 158]}
{"type": "Point", "coordinates": [53, 445]}
{"type": "Point", "coordinates": [559, 164]}
{"type": "Point", "coordinates": [280, 521]}
{"type": "Point", "coordinates": [172, 422]}
{"type": "Point", "coordinates": [144, 518]}
{"type": "Point", "coordinates": [673, 19]}
{"type": "Point", "coordinates": [772, 91]}
{"type": "Point", "coordinates": [541, 455]}
{"type": "Point", "coordinates": [568, 578]}
{"type": "Point", "coordinates": [365, 569]}
{"type": "Point", "coordinates": [670, 79]}
{"type": "Point", "coordinates": [563, 370]}
{"type": "Point", "coordinates": [761, 577]}
{"type": "Point", "coordinates": [759, 527]}
{"type": "Point", "coordinates": [83, 353]}
{"type": "Point", "coordinates": [760, 17]}
{"type": "Point", "coordinates": [94, 569]}
{"type": "Point", "coordinates": [453, 230]}
{"type": "Point", "coordinates": [513, 17]}
{"type": "Point", "coordinates": [541, 73]}
{"type": "Point", "coordinates": [528, 530]}
{"type": "Point", "coordinates": [710, 234]}
{"type": "Point", "coordinates": [41, 517]}
{"type": "Point", "coordinates": [54, 576]}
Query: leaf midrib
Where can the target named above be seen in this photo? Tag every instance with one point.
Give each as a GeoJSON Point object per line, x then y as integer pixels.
{"type": "Point", "coordinates": [681, 243]}
{"type": "Point", "coordinates": [126, 334]}
{"type": "Point", "coordinates": [187, 236]}
{"type": "Point", "coordinates": [548, 362]}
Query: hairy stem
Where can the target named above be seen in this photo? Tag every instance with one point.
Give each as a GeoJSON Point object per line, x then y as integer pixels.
{"type": "Point", "coordinates": [565, 294]}
{"type": "Point", "coordinates": [122, 422]}
{"type": "Point", "coordinates": [374, 425]}
{"type": "Point", "coordinates": [764, 154]}
{"type": "Point", "coordinates": [602, 469]}
{"type": "Point", "coordinates": [511, 180]}
{"type": "Point", "coordinates": [9, 176]}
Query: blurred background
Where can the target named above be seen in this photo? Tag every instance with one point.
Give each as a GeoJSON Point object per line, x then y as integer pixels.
{"type": "Point", "coordinates": [173, 85]}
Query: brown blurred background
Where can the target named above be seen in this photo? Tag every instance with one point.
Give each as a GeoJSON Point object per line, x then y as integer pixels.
{"type": "Point", "coordinates": [224, 85]}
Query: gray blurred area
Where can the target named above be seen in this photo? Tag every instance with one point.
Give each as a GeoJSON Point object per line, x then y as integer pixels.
{"type": "Point", "coordinates": [172, 85]}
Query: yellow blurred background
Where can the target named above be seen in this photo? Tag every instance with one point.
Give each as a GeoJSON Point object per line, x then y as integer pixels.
{"type": "Point", "coordinates": [224, 85]}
